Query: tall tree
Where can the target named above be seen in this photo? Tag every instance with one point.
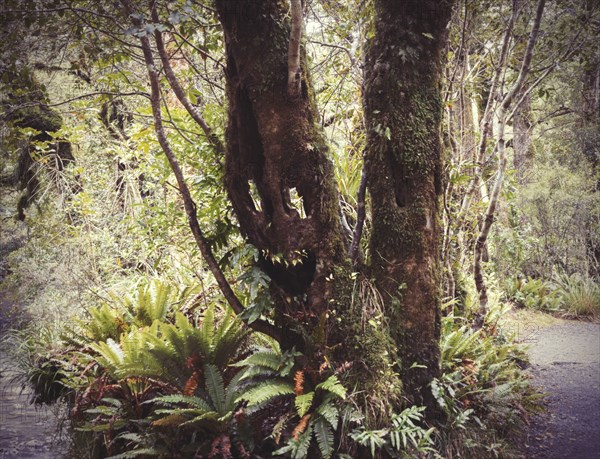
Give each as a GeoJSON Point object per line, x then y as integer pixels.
{"type": "Point", "coordinates": [402, 98]}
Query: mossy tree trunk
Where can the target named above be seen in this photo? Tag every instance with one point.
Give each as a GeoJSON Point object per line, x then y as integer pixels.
{"type": "Point", "coordinates": [26, 106]}
{"type": "Point", "coordinates": [278, 174]}
{"type": "Point", "coordinates": [404, 63]}
{"type": "Point", "coordinates": [281, 183]}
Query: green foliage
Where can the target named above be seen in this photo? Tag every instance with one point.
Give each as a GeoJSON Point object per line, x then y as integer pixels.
{"type": "Point", "coordinates": [406, 437]}
{"type": "Point", "coordinates": [482, 389]}
{"type": "Point", "coordinates": [316, 414]}
{"type": "Point", "coordinates": [534, 294]}
{"type": "Point", "coordinates": [580, 295]}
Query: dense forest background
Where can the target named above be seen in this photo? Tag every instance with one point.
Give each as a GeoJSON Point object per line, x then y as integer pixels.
{"type": "Point", "coordinates": [251, 229]}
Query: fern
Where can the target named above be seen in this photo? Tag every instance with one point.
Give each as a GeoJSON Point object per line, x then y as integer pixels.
{"type": "Point", "coordinates": [324, 436]}
{"type": "Point", "coordinates": [266, 392]}
{"type": "Point", "coordinates": [303, 403]}
{"type": "Point", "coordinates": [297, 448]}
{"type": "Point", "coordinates": [333, 385]}
{"type": "Point", "coordinates": [215, 387]}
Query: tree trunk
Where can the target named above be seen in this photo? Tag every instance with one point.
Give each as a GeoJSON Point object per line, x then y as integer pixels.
{"type": "Point", "coordinates": [522, 147]}
{"type": "Point", "coordinates": [403, 110]}
{"type": "Point", "coordinates": [281, 183]}
{"type": "Point", "coordinates": [275, 153]}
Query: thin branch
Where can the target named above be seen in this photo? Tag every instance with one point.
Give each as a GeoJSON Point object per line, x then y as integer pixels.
{"type": "Point", "coordinates": [73, 99]}
{"type": "Point", "coordinates": [488, 113]}
{"type": "Point", "coordinates": [188, 202]}
{"type": "Point", "coordinates": [294, 70]}
{"type": "Point", "coordinates": [501, 144]}
{"type": "Point", "coordinates": [180, 93]}
{"type": "Point", "coordinates": [360, 217]}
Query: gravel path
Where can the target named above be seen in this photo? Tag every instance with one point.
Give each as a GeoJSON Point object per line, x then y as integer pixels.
{"type": "Point", "coordinates": [26, 431]}
{"type": "Point", "coordinates": [566, 363]}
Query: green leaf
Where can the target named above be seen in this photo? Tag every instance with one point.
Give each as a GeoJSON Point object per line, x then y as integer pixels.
{"type": "Point", "coordinates": [333, 385]}
{"type": "Point", "coordinates": [325, 438]}
{"type": "Point", "coordinates": [303, 403]}
{"type": "Point", "coordinates": [266, 391]}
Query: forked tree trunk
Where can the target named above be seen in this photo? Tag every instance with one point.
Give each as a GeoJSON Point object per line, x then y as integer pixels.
{"type": "Point", "coordinates": [281, 183]}
{"type": "Point", "coordinates": [403, 111]}
{"type": "Point", "coordinates": [276, 153]}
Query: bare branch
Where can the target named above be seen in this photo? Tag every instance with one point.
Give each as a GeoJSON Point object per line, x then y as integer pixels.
{"type": "Point", "coordinates": [501, 145]}
{"type": "Point", "coordinates": [180, 93]}
{"type": "Point", "coordinates": [189, 204]}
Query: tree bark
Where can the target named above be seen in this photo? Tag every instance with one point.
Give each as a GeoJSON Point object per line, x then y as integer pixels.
{"type": "Point", "coordinates": [402, 99]}
{"type": "Point", "coordinates": [275, 151]}
{"type": "Point", "coordinates": [522, 147]}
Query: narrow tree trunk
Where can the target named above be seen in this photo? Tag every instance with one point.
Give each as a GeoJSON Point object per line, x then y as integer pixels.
{"type": "Point", "coordinates": [522, 147]}
{"type": "Point", "coordinates": [488, 219]}
{"type": "Point", "coordinates": [403, 110]}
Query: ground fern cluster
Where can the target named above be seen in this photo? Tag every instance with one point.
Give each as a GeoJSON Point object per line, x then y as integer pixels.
{"type": "Point", "coordinates": [154, 375]}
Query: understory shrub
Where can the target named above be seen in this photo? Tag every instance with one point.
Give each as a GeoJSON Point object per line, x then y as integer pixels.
{"type": "Point", "coordinates": [580, 295]}
{"type": "Point", "coordinates": [574, 295]}
{"type": "Point", "coordinates": [162, 373]}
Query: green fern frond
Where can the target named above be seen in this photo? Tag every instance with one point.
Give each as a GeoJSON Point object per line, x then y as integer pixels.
{"type": "Point", "coordinates": [329, 412]}
{"type": "Point", "coordinates": [303, 403]}
{"type": "Point", "coordinates": [266, 392]}
{"type": "Point", "coordinates": [196, 402]}
{"type": "Point", "coordinates": [263, 358]}
{"type": "Point", "coordinates": [333, 385]}
{"type": "Point", "coordinates": [215, 387]}
{"type": "Point", "coordinates": [325, 437]}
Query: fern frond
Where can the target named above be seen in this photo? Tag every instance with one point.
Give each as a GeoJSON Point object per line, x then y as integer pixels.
{"type": "Point", "coordinates": [170, 420]}
{"type": "Point", "coordinates": [215, 387]}
{"type": "Point", "coordinates": [299, 382]}
{"type": "Point", "coordinates": [262, 358]}
{"type": "Point", "coordinates": [333, 385]}
{"type": "Point", "coordinates": [301, 427]}
{"type": "Point", "coordinates": [207, 328]}
{"type": "Point", "coordinates": [266, 392]}
{"type": "Point", "coordinates": [329, 412]}
{"type": "Point", "coordinates": [325, 437]}
{"type": "Point", "coordinates": [156, 452]}
{"type": "Point", "coordinates": [303, 403]}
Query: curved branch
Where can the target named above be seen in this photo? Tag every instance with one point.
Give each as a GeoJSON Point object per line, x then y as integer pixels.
{"type": "Point", "coordinates": [189, 204]}
{"type": "Point", "coordinates": [180, 93]}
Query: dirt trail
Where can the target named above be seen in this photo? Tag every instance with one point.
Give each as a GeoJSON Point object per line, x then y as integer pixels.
{"type": "Point", "coordinates": [566, 362]}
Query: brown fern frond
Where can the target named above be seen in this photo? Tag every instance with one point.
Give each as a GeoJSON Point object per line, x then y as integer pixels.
{"type": "Point", "coordinates": [301, 427]}
{"type": "Point", "coordinates": [299, 382]}
{"type": "Point", "coordinates": [192, 383]}
{"type": "Point", "coordinates": [221, 447]}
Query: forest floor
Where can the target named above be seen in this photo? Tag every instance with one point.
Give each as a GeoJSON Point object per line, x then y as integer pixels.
{"type": "Point", "coordinates": [565, 364]}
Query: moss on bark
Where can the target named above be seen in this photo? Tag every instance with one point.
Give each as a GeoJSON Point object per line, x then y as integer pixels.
{"type": "Point", "coordinates": [403, 117]}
